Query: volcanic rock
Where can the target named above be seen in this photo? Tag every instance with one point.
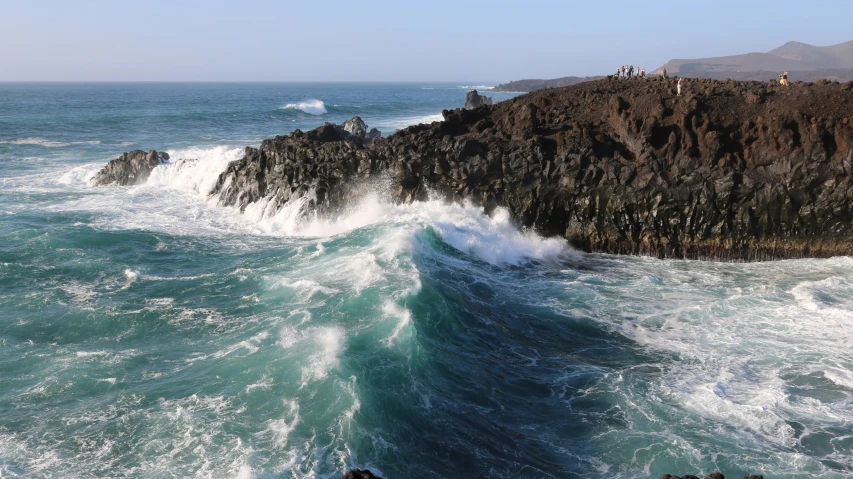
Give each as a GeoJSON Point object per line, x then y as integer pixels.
{"type": "Point", "coordinates": [733, 171]}
{"type": "Point", "coordinates": [360, 474]}
{"type": "Point", "coordinates": [475, 100]}
{"type": "Point", "coordinates": [130, 168]}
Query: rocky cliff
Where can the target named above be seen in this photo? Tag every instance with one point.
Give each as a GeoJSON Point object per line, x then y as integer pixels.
{"type": "Point", "coordinates": [729, 171]}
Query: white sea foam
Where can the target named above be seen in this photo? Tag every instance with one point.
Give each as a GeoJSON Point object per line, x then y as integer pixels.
{"type": "Point", "coordinates": [34, 142]}
{"type": "Point", "coordinates": [46, 143]}
{"type": "Point", "coordinates": [477, 87]}
{"type": "Point", "coordinates": [322, 345]}
{"type": "Point", "coordinates": [130, 275]}
{"type": "Point", "coordinates": [403, 316]}
{"type": "Point", "coordinates": [194, 170]}
{"type": "Point", "coordinates": [494, 239]}
{"type": "Point", "coordinates": [739, 360]}
{"type": "Point", "coordinates": [312, 107]}
{"type": "Point", "coordinates": [388, 126]}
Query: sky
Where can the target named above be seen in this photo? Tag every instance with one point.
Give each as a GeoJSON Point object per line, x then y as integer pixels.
{"type": "Point", "coordinates": [379, 40]}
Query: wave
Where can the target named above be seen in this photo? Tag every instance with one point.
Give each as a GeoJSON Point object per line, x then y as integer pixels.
{"type": "Point", "coordinates": [477, 87]}
{"type": "Point", "coordinates": [400, 123]}
{"type": "Point", "coordinates": [34, 141]}
{"type": "Point", "coordinates": [465, 227]}
{"type": "Point", "coordinates": [312, 107]}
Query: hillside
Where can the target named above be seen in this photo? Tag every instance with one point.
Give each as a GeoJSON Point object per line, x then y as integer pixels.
{"type": "Point", "coordinates": [790, 56]}
{"type": "Point", "coordinates": [533, 85]}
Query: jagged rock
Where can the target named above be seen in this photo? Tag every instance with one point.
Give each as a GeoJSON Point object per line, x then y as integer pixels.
{"type": "Point", "coordinates": [355, 127]}
{"type": "Point", "coordinates": [612, 166]}
{"type": "Point", "coordinates": [715, 475]}
{"type": "Point", "coordinates": [130, 168]}
{"type": "Point", "coordinates": [360, 474]}
{"type": "Point", "coordinates": [475, 100]}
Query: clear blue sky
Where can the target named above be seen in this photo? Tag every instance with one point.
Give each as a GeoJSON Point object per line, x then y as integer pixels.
{"type": "Point", "coordinates": [429, 40]}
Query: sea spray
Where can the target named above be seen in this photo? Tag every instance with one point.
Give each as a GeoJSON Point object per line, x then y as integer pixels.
{"type": "Point", "coordinates": [312, 107]}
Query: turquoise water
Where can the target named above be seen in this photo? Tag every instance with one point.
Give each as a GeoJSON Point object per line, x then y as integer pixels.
{"type": "Point", "coordinates": [148, 332]}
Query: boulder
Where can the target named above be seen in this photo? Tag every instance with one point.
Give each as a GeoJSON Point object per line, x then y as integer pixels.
{"type": "Point", "coordinates": [354, 127]}
{"type": "Point", "coordinates": [475, 100]}
{"type": "Point", "coordinates": [360, 474]}
{"type": "Point", "coordinates": [130, 168]}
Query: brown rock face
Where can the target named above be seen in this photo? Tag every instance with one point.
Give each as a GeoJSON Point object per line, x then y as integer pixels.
{"type": "Point", "coordinates": [729, 171]}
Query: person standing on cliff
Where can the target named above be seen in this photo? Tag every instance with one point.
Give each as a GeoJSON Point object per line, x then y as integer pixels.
{"type": "Point", "coordinates": [680, 82]}
{"type": "Point", "coordinates": [785, 78]}
{"type": "Point", "coordinates": [664, 74]}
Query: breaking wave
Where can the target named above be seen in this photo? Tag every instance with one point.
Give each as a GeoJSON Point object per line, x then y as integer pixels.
{"type": "Point", "coordinates": [312, 107]}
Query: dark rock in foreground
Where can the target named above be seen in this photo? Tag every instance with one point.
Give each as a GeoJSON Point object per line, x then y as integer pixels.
{"type": "Point", "coordinates": [475, 100]}
{"type": "Point", "coordinates": [130, 168]}
{"type": "Point", "coordinates": [360, 474]}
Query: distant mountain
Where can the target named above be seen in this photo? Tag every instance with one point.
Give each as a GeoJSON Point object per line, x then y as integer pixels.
{"type": "Point", "coordinates": [790, 56]}
{"type": "Point", "coordinates": [532, 85]}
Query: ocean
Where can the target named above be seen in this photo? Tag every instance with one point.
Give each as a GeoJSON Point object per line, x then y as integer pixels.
{"type": "Point", "coordinates": [148, 332]}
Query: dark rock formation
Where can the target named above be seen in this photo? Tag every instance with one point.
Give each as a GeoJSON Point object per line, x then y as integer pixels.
{"type": "Point", "coordinates": [533, 85]}
{"type": "Point", "coordinates": [131, 168]}
{"type": "Point", "coordinates": [360, 474]}
{"type": "Point", "coordinates": [475, 100]}
{"type": "Point", "coordinates": [356, 129]}
{"type": "Point", "coordinates": [729, 171]}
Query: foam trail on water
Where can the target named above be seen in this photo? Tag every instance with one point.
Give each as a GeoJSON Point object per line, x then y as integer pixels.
{"type": "Point", "coordinates": [312, 107]}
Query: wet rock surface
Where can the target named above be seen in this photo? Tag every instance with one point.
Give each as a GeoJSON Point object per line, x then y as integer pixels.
{"type": "Point", "coordinates": [130, 168]}
{"type": "Point", "coordinates": [360, 474]}
{"type": "Point", "coordinates": [729, 171]}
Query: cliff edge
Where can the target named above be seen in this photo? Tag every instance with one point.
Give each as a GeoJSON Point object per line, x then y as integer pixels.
{"type": "Point", "coordinates": [729, 171]}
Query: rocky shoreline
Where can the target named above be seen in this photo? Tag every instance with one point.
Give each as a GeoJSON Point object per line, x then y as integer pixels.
{"type": "Point", "coordinates": [731, 171]}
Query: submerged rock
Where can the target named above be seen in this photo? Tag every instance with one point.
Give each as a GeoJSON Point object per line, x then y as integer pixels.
{"type": "Point", "coordinates": [130, 168]}
{"type": "Point", "coordinates": [475, 100]}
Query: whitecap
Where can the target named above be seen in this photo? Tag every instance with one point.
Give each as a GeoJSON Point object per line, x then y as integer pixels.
{"type": "Point", "coordinates": [34, 142]}
{"type": "Point", "coordinates": [312, 107]}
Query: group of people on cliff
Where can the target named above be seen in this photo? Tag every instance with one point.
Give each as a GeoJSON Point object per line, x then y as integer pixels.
{"type": "Point", "coordinates": [629, 71]}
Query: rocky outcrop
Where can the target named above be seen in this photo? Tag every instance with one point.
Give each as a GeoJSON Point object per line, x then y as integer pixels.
{"type": "Point", "coordinates": [475, 100]}
{"type": "Point", "coordinates": [356, 129]}
{"type": "Point", "coordinates": [360, 474]}
{"type": "Point", "coordinates": [130, 168]}
{"type": "Point", "coordinates": [728, 171]}
{"type": "Point", "coordinates": [714, 475]}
